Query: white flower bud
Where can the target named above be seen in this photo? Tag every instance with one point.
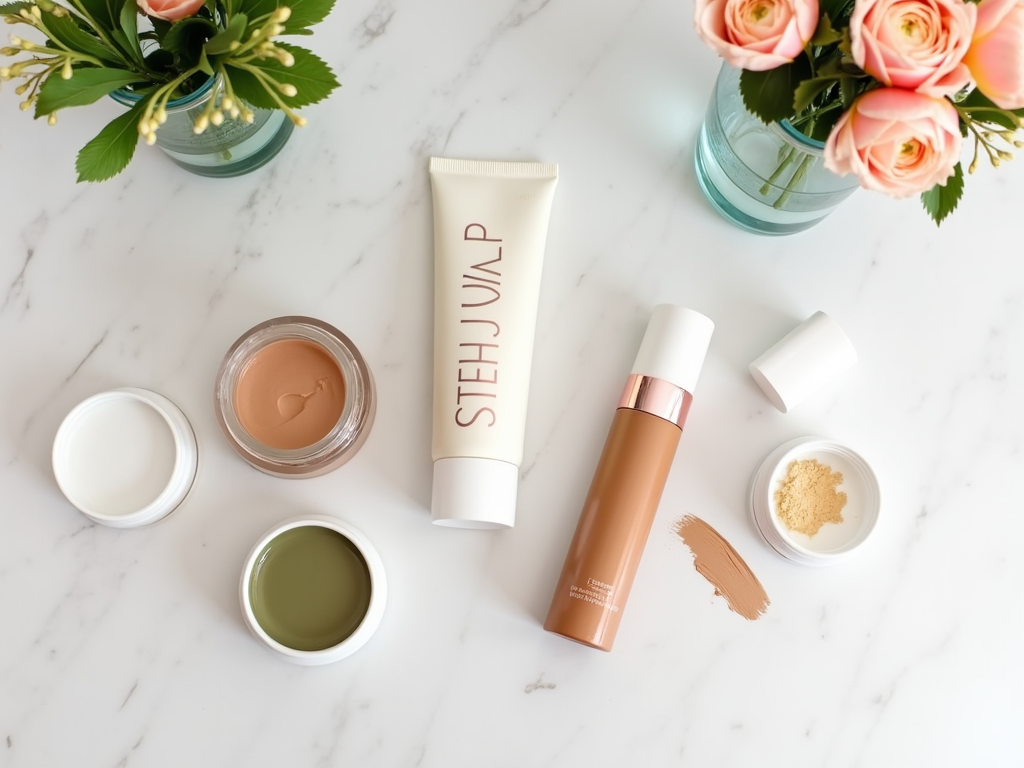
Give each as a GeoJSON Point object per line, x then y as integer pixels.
{"type": "Point", "coordinates": [51, 119]}
{"type": "Point", "coordinates": [66, 71]}
{"type": "Point", "coordinates": [288, 89]}
{"type": "Point", "coordinates": [217, 118]}
{"type": "Point", "coordinates": [201, 124]}
{"type": "Point", "coordinates": [282, 14]}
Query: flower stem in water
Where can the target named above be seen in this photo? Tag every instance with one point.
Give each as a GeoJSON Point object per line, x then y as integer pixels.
{"type": "Point", "coordinates": [766, 187]}
{"type": "Point", "coordinates": [801, 171]}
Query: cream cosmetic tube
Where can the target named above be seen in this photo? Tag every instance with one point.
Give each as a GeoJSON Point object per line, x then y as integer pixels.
{"type": "Point", "coordinates": [490, 223]}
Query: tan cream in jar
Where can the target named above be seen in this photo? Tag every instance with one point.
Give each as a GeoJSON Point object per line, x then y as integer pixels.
{"type": "Point", "coordinates": [294, 397]}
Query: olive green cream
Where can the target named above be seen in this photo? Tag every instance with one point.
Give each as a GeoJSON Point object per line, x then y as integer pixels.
{"type": "Point", "coordinates": [310, 588]}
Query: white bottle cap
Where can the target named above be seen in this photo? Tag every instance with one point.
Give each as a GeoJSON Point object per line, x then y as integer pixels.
{"type": "Point", "coordinates": [474, 493]}
{"type": "Point", "coordinates": [810, 356]}
{"type": "Point", "coordinates": [674, 346]}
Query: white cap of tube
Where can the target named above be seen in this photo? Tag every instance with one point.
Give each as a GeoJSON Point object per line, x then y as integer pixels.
{"type": "Point", "coordinates": [674, 346]}
{"type": "Point", "coordinates": [806, 359]}
{"type": "Point", "coordinates": [472, 492]}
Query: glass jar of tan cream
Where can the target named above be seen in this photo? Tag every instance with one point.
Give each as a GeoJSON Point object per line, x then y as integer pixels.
{"type": "Point", "coordinates": [294, 397]}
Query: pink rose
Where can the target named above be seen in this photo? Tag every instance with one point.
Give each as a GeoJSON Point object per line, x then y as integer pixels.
{"type": "Point", "coordinates": [170, 10]}
{"type": "Point", "coordinates": [996, 55]}
{"type": "Point", "coordinates": [896, 141]}
{"type": "Point", "coordinates": [914, 44]}
{"type": "Point", "coordinates": [756, 34]}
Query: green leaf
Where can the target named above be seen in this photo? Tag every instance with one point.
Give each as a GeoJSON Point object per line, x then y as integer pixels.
{"type": "Point", "coordinates": [825, 34]}
{"type": "Point", "coordinates": [84, 87]}
{"type": "Point", "coordinates": [113, 148]}
{"type": "Point", "coordinates": [221, 42]}
{"type": "Point", "coordinates": [310, 75]}
{"type": "Point", "coordinates": [186, 38]}
{"type": "Point", "coordinates": [204, 64]}
{"type": "Point", "coordinates": [106, 13]}
{"type": "Point", "coordinates": [254, 9]}
{"type": "Point", "coordinates": [848, 91]}
{"type": "Point", "coordinates": [114, 8]}
{"type": "Point", "coordinates": [248, 88]}
{"type": "Point", "coordinates": [941, 200]}
{"type": "Point", "coordinates": [129, 22]}
{"type": "Point", "coordinates": [771, 95]}
{"type": "Point", "coordinates": [305, 13]}
{"type": "Point", "coordinates": [809, 90]}
{"type": "Point", "coordinates": [66, 30]}
{"type": "Point", "coordinates": [987, 111]}
{"type": "Point", "coordinates": [13, 9]}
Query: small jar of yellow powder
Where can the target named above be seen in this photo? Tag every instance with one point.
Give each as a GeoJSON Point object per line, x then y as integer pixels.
{"type": "Point", "coordinates": [814, 500]}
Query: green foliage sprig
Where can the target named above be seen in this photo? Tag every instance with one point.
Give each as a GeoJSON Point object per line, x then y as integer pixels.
{"type": "Point", "coordinates": [95, 47]}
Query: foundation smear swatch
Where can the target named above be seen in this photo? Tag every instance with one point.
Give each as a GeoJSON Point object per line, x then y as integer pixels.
{"type": "Point", "coordinates": [716, 560]}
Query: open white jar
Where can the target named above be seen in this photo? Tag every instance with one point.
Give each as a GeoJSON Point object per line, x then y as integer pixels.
{"type": "Point", "coordinates": [832, 540]}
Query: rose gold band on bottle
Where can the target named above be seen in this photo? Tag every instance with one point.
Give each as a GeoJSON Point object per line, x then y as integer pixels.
{"type": "Point", "coordinates": [656, 397]}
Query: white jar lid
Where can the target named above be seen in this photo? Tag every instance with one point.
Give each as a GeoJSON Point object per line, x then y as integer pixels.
{"type": "Point", "coordinates": [126, 457]}
{"type": "Point", "coordinates": [806, 359]}
{"type": "Point", "coordinates": [833, 540]}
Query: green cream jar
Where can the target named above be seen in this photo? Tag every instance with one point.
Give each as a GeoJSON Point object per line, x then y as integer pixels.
{"type": "Point", "coordinates": [313, 590]}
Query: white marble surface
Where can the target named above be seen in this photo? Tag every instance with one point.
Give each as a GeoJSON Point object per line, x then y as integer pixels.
{"type": "Point", "coordinates": [126, 648]}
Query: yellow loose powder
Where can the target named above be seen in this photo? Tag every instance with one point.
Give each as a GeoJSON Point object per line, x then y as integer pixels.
{"type": "Point", "coordinates": [807, 498]}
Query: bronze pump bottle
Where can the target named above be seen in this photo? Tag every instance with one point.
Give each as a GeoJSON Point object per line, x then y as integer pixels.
{"type": "Point", "coordinates": [630, 477]}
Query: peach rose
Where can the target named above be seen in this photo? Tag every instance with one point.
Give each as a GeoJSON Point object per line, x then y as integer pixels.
{"type": "Point", "coordinates": [756, 34]}
{"type": "Point", "coordinates": [914, 44]}
{"type": "Point", "coordinates": [996, 55]}
{"type": "Point", "coordinates": [170, 10]}
{"type": "Point", "coordinates": [896, 141]}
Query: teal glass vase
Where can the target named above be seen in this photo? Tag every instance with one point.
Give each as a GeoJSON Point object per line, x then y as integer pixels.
{"type": "Point", "coordinates": [766, 178]}
{"type": "Point", "coordinates": [230, 149]}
